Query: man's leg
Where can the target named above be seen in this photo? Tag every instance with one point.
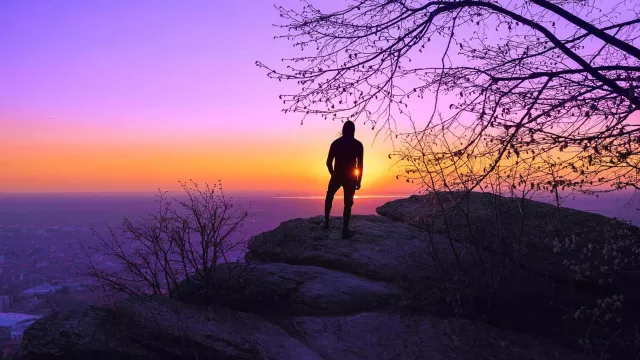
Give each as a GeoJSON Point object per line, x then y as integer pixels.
{"type": "Point", "coordinates": [334, 185]}
{"type": "Point", "coordinates": [349, 193]}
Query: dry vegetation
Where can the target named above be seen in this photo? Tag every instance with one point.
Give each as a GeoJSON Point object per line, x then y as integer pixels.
{"type": "Point", "coordinates": [183, 241]}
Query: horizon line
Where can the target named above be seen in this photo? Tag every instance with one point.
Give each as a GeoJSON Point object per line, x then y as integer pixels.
{"type": "Point", "coordinates": [275, 193]}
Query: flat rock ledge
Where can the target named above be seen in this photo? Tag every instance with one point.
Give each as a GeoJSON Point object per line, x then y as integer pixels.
{"type": "Point", "coordinates": [158, 328]}
{"type": "Point", "coordinates": [381, 249]}
{"type": "Point", "coordinates": [291, 289]}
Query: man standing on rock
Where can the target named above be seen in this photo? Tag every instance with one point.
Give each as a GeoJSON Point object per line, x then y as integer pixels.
{"type": "Point", "coordinates": [346, 173]}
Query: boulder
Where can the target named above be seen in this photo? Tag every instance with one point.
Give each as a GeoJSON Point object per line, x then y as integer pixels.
{"type": "Point", "coordinates": [387, 336]}
{"type": "Point", "coordinates": [556, 242]}
{"type": "Point", "coordinates": [564, 262]}
{"type": "Point", "coordinates": [381, 249]}
{"type": "Point", "coordinates": [425, 267]}
{"type": "Point", "coordinates": [158, 328]}
{"type": "Point", "coordinates": [289, 289]}
{"type": "Point", "coordinates": [592, 255]}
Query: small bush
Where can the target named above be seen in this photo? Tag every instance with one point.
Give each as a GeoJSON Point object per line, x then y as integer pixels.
{"type": "Point", "coordinates": [184, 239]}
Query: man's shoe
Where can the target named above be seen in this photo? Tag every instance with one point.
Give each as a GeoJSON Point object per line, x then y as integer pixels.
{"type": "Point", "coordinates": [325, 224]}
{"type": "Point", "coordinates": [347, 234]}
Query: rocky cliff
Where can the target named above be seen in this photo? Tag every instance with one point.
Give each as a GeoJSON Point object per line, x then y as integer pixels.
{"type": "Point", "coordinates": [401, 288]}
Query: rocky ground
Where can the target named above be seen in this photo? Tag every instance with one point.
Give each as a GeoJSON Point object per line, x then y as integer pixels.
{"type": "Point", "coordinates": [401, 288]}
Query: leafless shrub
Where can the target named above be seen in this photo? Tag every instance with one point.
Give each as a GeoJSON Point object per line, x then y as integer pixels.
{"type": "Point", "coordinates": [183, 241]}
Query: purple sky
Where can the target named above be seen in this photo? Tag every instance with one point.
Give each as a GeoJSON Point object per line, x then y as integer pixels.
{"type": "Point", "coordinates": [159, 61]}
{"type": "Point", "coordinates": [173, 83]}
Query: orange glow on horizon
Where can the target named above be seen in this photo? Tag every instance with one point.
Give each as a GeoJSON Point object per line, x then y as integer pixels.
{"type": "Point", "coordinates": [75, 159]}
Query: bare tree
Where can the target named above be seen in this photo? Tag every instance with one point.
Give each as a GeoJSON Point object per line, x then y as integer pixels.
{"type": "Point", "coordinates": [513, 84]}
{"type": "Point", "coordinates": [172, 245]}
{"type": "Point", "coordinates": [507, 96]}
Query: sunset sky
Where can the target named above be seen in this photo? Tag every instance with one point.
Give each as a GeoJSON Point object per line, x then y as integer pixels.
{"type": "Point", "coordinates": [137, 95]}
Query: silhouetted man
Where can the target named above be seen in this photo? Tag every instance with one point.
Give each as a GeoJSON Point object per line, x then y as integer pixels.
{"type": "Point", "coordinates": [346, 173]}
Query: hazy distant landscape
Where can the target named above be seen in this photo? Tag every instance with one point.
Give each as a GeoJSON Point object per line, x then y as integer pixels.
{"type": "Point", "coordinates": [95, 210]}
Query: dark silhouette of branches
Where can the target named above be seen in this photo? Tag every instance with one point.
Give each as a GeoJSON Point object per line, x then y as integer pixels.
{"type": "Point", "coordinates": [172, 245]}
{"type": "Point", "coordinates": [514, 84]}
{"type": "Point", "coordinates": [511, 97]}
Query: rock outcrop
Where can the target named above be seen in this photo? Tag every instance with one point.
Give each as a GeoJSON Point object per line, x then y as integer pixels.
{"type": "Point", "coordinates": [305, 293]}
{"type": "Point", "coordinates": [565, 263]}
{"type": "Point", "coordinates": [158, 328]}
{"type": "Point", "coordinates": [428, 268]}
{"type": "Point", "coordinates": [291, 289]}
{"type": "Point", "coordinates": [547, 239]}
{"type": "Point", "coordinates": [381, 249]}
{"type": "Point", "coordinates": [391, 336]}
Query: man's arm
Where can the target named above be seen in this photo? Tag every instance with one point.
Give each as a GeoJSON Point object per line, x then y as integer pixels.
{"type": "Point", "coordinates": [330, 158]}
{"type": "Point", "coordinates": [360, 164]}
